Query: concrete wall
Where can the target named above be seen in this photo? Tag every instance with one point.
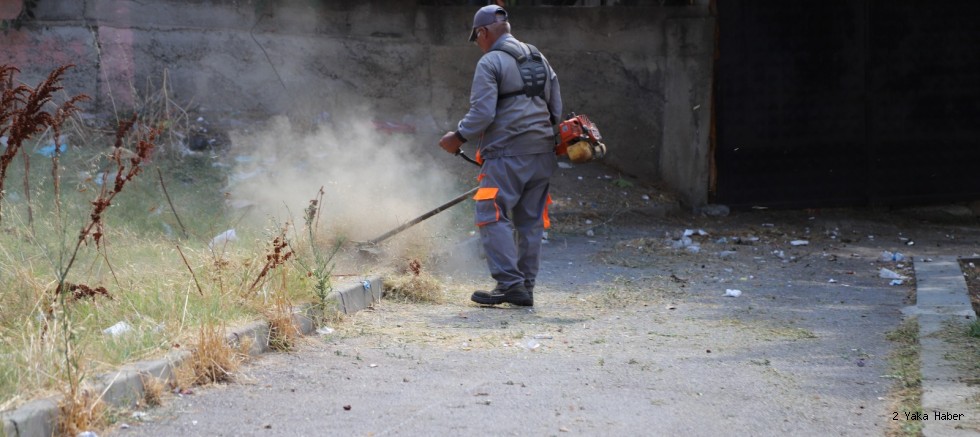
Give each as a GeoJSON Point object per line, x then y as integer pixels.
{"type": "Point", "coordinates": [641, 73]}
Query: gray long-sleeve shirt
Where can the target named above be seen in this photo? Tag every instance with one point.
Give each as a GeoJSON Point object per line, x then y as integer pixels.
{"type": "Point", "coordinates": [516, 125]}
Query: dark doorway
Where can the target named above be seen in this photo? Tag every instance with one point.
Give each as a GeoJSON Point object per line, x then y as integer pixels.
{"type": "Point", "coordinates": [845, 103]}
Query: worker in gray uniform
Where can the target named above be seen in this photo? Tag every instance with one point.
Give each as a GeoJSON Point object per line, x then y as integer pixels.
{"type": "Point", "coordinates": [515, 101]}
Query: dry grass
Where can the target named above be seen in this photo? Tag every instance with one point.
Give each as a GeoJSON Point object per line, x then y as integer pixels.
{"type": "Point", "coordinates": [904, 366]}
{"type": "Point", "coordinates": [153, 389]}
{"type": "Point", "coordinates": [80, 411]}
{"type": "Point", "coordinates": [416, 285]}
{"type": "Point", "coordinates": [213, 359]}
{"type": "Point", "coordinates": [283, 333]}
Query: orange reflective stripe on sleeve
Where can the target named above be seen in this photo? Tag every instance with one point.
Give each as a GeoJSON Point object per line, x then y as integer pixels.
{"type": "Point", "coordinates": [547, 220]}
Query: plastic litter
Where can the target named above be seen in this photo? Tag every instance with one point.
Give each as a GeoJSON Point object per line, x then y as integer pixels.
{"type": "Point", "coordinates": [366, 284]}
{"type": "Point", "coordinates": [895, 282]}
{"type": "Point", "coordinates": [891, 256]}
{"type": "Point", "coordinates": [118, 329]}
{"type": "Point", "coordinates": [223, 238]}
{"type": "Point", "coordinates": [888, 274]}
{"type": "Point", "coordinates": [732, 292]}
{"type": "Point", "coordinates": [326, 330]}
{"type": "Point", "coordinates": [48, 150]}
{"type": "Point", "coordinates": [531, 344]}
{"type": "Point", "coordinates": [799, 242]}
{"type": "Point", "coordinates": [87, 434]}
{"type": "Point", "coordinates": [563, 164]}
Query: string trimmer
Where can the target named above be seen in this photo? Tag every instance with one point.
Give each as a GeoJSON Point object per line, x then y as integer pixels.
{"type": "Point", "coordinates": [371, 246]}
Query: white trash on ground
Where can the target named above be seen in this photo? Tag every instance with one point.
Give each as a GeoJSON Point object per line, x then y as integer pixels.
{"type": "Point", "coordinates": [118, 329]}
{"type": "Point", "coordinates": [888, 274]}
{"type": "Point", "coordinates": [223, 238]}
{"type": "Point", "coordinates": [732, 292]}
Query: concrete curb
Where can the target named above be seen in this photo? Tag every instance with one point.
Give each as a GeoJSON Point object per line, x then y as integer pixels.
{"type": "Point", "coordinates": [942, 298]}
{"type": "Point", "coordinates": [124, 386]}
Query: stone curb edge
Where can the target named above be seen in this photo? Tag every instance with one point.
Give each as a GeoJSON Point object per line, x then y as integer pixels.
{"type": "Point", "coordinates": [124, 386]}
{"type": "Point", "coordinates": [942, 297]}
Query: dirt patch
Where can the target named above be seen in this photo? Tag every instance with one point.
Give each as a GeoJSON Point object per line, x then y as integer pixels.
{"type": "Point", "coordinates": [971, 272]}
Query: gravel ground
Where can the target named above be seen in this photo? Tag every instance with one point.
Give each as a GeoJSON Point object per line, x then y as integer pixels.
{"type": "Point", "coordinates": [631, 333]}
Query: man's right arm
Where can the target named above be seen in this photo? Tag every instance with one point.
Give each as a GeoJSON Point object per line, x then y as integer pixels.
{"type": "Point", "coordinates": [483, 101]}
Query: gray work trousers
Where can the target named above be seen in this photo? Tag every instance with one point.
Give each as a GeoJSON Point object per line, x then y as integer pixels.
{"type": "Point", "coordinates": [513, 195]}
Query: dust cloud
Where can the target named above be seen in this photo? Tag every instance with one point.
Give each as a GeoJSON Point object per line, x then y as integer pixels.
{"type": "Point", "coordinates": [373, 181]}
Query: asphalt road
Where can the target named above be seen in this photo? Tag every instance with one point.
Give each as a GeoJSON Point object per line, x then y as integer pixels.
{"type": "Point", "coordinates": [628, 336]}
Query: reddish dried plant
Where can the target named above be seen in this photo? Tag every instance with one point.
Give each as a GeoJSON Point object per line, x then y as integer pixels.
{"type": "Point", "coordinates": [128, 165]}
{"type": "Point", "coordinates": [415, 267]}
{"type": "Point", "coordinates": [82, 291]}
{"type": "Point", "coordinates": [22, 113]}
{"type": "Point", "coordinates": [278, 254]}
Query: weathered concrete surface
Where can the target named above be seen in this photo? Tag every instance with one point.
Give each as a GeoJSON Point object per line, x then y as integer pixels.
{"type": "Point", "coordinates": [942, 301]}
{"type": "Point", "coordinates": [627, 337]}
{"type": "Point", "coordinates": [687, 116]}
{"type": "Point", "coordinates": [637, 71]}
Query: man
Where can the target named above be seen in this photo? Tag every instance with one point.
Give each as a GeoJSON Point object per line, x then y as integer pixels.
{"type": "Point", "coordinates": [511, 122]}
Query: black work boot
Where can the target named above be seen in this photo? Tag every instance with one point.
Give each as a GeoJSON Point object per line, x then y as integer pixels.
{"type": "Point", "coordinates": [516, 295]}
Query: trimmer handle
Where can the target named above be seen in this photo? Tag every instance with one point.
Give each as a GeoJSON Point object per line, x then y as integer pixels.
{"type": "Point", "coordinates": [462, 154]}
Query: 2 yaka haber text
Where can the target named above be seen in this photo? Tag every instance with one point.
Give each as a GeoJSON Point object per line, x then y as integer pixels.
{"type": "Point", "coordinates": [916, 415]}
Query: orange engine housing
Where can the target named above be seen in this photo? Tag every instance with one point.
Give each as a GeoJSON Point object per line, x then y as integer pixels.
{"type": "Point", "coordinates": [582, 135]}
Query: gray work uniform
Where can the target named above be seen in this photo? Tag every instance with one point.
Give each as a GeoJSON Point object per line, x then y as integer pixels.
{"type": "Point", "coordinates": [516, 142]}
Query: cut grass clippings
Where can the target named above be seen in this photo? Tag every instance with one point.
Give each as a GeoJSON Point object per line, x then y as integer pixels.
{"type": "Point", "coordinates": [905, 367]}
{"type": "Point", "coordinates": [420, 287]}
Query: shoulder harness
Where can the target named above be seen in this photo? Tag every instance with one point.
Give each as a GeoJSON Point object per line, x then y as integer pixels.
{"type": "Point", "coordinates": [533, 71]}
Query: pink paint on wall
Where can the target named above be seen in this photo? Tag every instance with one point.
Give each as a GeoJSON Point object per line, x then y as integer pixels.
{"type": "Point", "coordinates": [117, 61]}
{"type": "Point", "coordinates": [33, 50]}
{"type": "Point", "coordinates": [10, 9]}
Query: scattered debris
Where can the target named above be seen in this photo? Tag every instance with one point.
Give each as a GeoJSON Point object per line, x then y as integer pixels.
{"type": "Point", "coordinates": [888, 256]}
{"type": "Point", "coordinates": [733, 292]}
{"type": "Point", "coordinates": [223, 238]}
{"type": "Point", "coordinates": [118, 329]}
{"type": "Point", "coordinates": [715, 210]}
{"type": "Point", "coordinates": [889, 274]}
